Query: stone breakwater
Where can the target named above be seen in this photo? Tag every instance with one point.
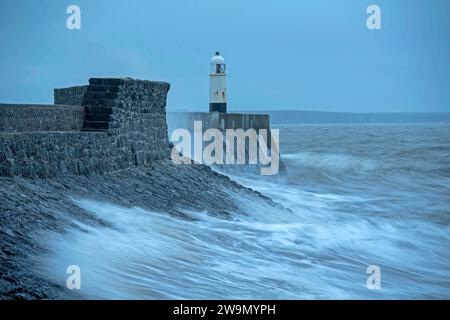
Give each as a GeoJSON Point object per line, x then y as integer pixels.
{"type": "Point", "coordinates": [72, 96]}
{"type": "Point", "coordinates": [132, 132]}
{"type": "Point", "coordinates": [32, 208]}
{"type": "Point", "coordinates": [106, 141]}
{"type": "Point", "coordinates": [16, 118]}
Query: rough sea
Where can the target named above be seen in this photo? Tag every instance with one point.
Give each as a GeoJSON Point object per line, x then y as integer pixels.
{"type": "Point", "coordinates": [357, 195]}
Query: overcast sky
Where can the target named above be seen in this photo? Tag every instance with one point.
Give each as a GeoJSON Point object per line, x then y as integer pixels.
{"type": "Point", "coordinates": [305, 55]}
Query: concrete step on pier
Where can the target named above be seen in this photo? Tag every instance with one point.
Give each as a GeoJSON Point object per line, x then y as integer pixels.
{"type": "Point", "coordinates": [91, 109]}
{"type": "Point", "coordinates": [97, 118]}
{"type": "Point", "coordinates": [94, 125]}
{"type": "Point", "coordinates": [99, 100]}
{"type": "Point", "coordinates": [94, 130]}
{"type": "Point", "coordinates": [90, 116]}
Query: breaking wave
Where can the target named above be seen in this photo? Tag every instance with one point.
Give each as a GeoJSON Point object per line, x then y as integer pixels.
{"type": "Point", "coordinates": [350, 205]}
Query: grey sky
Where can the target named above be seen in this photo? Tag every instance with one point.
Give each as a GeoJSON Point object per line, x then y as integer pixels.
{"type": "Point", "coordinates": [306, 55]}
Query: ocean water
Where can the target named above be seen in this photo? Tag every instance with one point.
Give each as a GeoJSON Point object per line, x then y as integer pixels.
{"type": "Point", "coordinates": [357, 195]}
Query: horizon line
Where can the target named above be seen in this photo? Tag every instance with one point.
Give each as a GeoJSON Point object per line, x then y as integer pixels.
{"type": "Point", "coordinates": [312, 111]}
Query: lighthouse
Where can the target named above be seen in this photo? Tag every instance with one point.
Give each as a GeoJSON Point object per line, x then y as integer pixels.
{"type": "Point", "coordinates": [217, 86]}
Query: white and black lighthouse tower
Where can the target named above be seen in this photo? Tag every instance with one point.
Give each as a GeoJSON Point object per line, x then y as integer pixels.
{"type": "Point", "coordinates": [217, 85]}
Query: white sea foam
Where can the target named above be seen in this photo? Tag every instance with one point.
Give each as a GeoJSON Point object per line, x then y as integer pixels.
{"type": "Point", "coordinates": [336, 227]}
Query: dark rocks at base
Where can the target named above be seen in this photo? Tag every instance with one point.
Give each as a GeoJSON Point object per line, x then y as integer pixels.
{"type": "Point", "coordinates": [31, 207]}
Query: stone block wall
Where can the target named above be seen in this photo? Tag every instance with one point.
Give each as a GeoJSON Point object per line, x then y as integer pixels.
{"type": "Point", "coordinates": [221, 121]}
{"type": "Point", "coordinates": [139, 115]}
{"type": "Point", "coordinates": [136, 133]}
{"type": "Point", "coordinates": [218, 120]}
{"type": "Point", "coordinates": [70, 96]}
{"type": "Point", "coordinates": [32, 118]}
{"type": "Point", "coordinates": [54, 154]}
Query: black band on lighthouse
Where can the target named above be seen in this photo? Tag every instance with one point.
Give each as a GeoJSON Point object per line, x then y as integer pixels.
{"type": "Point", "coordinates": [218, 107]}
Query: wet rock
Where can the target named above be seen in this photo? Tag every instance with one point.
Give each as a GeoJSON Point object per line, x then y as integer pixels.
{"type": "Point", "coordinates": [31, 207]}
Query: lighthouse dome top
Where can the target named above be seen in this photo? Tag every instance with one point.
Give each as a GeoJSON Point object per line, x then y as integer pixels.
{"type": "Point", "coordinates": [217, 59]}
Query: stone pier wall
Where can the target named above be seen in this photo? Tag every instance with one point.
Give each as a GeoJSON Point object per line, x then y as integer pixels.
{"type": "Point", "coordinates": [70, 96]}
{"type": "Point", "coordinates": [221, 121]}
{"type": "Point", "coordinates": [218, 120]}
{"type": "Point", "coordinates": [32, 118]}
{"type": "Point", "coordinates": [136, 134]}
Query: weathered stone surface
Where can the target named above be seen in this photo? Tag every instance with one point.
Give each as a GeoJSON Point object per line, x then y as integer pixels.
{"type": "Point", "coordinates": [30, 118]}
{"type": "Point", "coordinates": [70, 96]}
{"type": "Point", "coordinates": [53, 154]}
{"type": "Point", "coordinates": [127, 165]}
{"type": "Point", "coordinates": [134, 125]}
{"type": "Point", "coordinates": [30, 207]}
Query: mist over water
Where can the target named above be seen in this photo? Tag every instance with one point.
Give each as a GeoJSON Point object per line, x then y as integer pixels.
{"type": "Point", "coordinates": [357, 195]}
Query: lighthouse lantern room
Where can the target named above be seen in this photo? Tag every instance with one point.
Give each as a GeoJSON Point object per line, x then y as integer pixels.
{"type": "Point", "coordinates": [217, 85]}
